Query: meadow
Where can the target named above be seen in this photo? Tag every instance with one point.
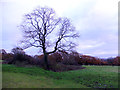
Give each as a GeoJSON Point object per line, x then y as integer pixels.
{"type": "Point", "coordinates": [35, 77]}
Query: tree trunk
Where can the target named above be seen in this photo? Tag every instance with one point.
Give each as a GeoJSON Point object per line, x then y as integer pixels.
{"type": "Point", "coordinates": [46, 61]}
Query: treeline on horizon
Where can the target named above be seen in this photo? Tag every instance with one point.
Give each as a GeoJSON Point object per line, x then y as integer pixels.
{"type": "Point", "coordinates": [72, 58]}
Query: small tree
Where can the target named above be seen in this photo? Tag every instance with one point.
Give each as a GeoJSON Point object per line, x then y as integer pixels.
{"type": "Point", "coordinates": [43, 29]}
{"type": "Point", "coordinates": [19, 55]}
{"type": "Point", "coordinates": [17, 50]}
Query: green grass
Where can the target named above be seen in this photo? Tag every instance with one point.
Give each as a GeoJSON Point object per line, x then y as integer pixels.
{"type": "Point", "coordinates": [1, 60]}
{"type": "Point", "coordinates": [34, 77]}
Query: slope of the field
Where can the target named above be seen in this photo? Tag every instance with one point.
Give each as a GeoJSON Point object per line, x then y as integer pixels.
{"type": "Point", "coordinates": [34, 77]}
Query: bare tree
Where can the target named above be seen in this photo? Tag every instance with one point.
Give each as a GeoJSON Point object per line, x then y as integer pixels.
{"type": "Point", "coordinates": [17, 50]}
{"type": "Point", "coordinates": [41, 26]}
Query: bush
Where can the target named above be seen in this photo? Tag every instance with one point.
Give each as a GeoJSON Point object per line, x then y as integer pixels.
{"type": "Point", "coordinates": [0, 56]}
{"type": "Point", "coordinates": [39, 62]}
{"type": "Point", "coordinates": [69, 60]}
{"type": "Point", "coordinates": [19, 59]}
{"type": "Point", "coordinates": [57, 57]}
{"type": "Point", "coordinates": [7, 56]}
{"type": "Point", "coordinates": [8, 61]}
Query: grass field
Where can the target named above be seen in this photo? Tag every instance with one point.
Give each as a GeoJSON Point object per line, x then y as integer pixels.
{"type": "Point", "coordinates": [34, 77]}
{"type": "Point", "coordinates": [1, 60]}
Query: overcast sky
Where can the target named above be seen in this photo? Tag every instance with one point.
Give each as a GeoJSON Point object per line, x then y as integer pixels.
{"type": "Point", "coordinates": [96, 21]}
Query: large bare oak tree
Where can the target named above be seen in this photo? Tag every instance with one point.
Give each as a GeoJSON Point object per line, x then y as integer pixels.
{"type": "Point", "coordinates": [43, 29]}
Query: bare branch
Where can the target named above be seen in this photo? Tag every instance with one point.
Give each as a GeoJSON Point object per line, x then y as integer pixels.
{"type": "Point", "coordinates": [42, 23]}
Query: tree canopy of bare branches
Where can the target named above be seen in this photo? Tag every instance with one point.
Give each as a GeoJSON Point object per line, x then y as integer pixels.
{"type": "Point", "coordinates": [17, 50]}
{"type": "Point", "coordinates": [41, 26]}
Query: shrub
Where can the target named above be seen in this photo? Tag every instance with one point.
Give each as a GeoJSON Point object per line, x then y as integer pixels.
{"type": "Point", "coordinates": [8, 61]}
{"type": "Point", "coordinates": [57, 57]}
{"type": "Point", "coordinates": [39, 62]}
{"type": "Point", "coordinates": [53, 59]}
{"type": "Point", "coordinates": [69, 60]}
{"type": "Point", "coordinates": [7, 56]}
{"type": "Point", "coordinates": [0, 56]}
{"type": "Point", "coordinates": [116, 61]}
{"type": "Point", "coordinates": [19, 59]}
